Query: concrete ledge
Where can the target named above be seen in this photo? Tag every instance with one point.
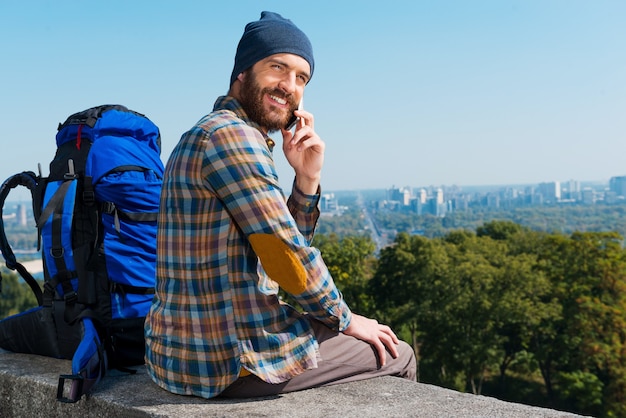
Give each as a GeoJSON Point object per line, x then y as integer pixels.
{"type": "Point", "coordinates": [28, 389]}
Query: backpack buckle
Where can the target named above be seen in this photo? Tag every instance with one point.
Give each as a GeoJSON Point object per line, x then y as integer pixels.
{"type": "Point", "coordinates": [57, 252]}
{"type": "Point", "coordinates": [70, 298]}
{"type": "Point", "coordinates": [76, 389]}
{"type": "Point", "coordinates": [71, 173]}
{"type": "Point", "coordinates": [89, 197]}
{"type": "Point", "coordinates": [108, 208]}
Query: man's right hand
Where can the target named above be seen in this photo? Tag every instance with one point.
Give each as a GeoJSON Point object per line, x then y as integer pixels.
{"type": "Point", "coordinates": [304, 150]}
{"type": "Point", "coordinates": [380, 336]}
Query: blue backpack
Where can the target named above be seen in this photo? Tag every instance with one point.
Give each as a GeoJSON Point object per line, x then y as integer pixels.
{"type": "Point", "coordinates": [96, 216]}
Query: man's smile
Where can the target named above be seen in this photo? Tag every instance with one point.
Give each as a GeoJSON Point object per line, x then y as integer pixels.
{"type": "Point", "coordinates": [278, 100]}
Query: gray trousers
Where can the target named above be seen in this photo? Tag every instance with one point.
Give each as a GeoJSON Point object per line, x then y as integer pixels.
{"type": "Point", "coordinates": [343, 359]}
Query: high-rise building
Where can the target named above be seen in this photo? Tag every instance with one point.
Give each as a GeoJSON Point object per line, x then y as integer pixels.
{"type": "Point", "coordinates": [618, 185]}
{"type": "Point", "coordinates": [551, 192]}
{"type": "Point", "coordinates": [493, 201]}
{"type": "Point", "coordinates": [439, 196]}
{"type": "Point", "coordinates": [588, 196]}
{"type": "Point", "coordinates": [422, 196]}
{"type": "Point", "coordinates": [571, 190]}
{"type": "Point", "coordinates": [328, 203]}
{"type": "Point", "coordinates": [21, 215]}
{"type": "Point", "coordinates": [401, 195]}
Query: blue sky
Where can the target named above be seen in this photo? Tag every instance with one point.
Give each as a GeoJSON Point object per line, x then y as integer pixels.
{"type": "Point", "coordinates": [405, 93]}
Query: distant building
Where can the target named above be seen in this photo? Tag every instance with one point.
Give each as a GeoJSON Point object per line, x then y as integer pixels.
{"type": "Point", "coordinates": [611, 197]}
{"type": "Point", "coordinates": [550, 192]}
{"type": "Point", "coordinates": [401, 195]}
{"type": "Point", "coordinates": [588, 196]}
{"type": "Point", "coordinates": [416, 206]}
{"type": "Point", "coordinates": [618, 185]}
{"type": "Point", "coordinates": [21, 215]}
{"type": "Point", "coordinates": [510, 193]}
{"type": "Point", "coordinates": [493, 201]}
{"type": "Point", "coordinates": [441, 201]}
{"type": "Point", "coordinates": [436, 204]}
{"type": "Point", "coordinates": [571, 190]}
{"type": "Point", "coordinates": [328, 203]}
{"type": "Point", "coordinates": [439, 196]}
{"type": "Point", "coordinates": [460, 203]}
{"type": "Point", "coordinates": [422, 196]}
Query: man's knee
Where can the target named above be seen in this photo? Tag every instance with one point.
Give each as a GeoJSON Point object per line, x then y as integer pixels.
{"type": "Point", "coordinates": [407, 360]}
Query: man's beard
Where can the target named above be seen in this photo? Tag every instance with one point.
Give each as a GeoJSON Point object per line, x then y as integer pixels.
{"type": "Point", "coordinates": [251, 99]}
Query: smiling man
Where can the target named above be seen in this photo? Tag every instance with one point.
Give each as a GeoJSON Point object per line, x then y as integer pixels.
{"type": "Point", "coordinates": [228, 240]}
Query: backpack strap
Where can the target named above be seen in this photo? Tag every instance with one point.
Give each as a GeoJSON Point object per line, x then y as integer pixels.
{"type": "Point", "coordinates": [110, 209]}
{"type": "Point", "coordinates": [126, 288]}
{"type": "Point", "coordinates": [31, 181]}
{"type": "Point", "coordinates": [89, 365]}
{"type": "Point", "coordinates": [54, 208]}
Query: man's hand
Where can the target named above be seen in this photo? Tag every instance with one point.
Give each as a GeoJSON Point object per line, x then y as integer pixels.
{"type": "Point", "coordinates": [380, 336]}
{"type": "Point", "coordinates": [304, 151]}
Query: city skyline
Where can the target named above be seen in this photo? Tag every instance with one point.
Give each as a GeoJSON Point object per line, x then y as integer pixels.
{"type": "Point", "coordinates": [469, 93]}
{"type": "Point", "coordinates": [15, 197]}
{"type": "Point", "coordinates": [441, 199]}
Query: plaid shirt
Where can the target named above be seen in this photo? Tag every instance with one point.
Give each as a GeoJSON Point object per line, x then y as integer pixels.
{"type": "Point", "coordinates": [215, 310]}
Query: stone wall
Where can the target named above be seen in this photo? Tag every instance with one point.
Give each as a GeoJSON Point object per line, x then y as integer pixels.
{"type": "Point", "coordinates": [28, 386]}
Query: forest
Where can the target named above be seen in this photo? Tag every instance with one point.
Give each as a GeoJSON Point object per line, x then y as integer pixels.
{"type": "Point", "coordinates": [524, 312]}
{"type": "Point", "coordinates": [504, 311]}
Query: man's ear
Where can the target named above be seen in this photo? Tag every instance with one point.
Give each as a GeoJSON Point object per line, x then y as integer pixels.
{"type": "Point", "coordinates": [236, 86]}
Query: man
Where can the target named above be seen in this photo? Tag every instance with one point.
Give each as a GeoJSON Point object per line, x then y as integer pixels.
{"type": "Point", "coordinates": [228, 240]}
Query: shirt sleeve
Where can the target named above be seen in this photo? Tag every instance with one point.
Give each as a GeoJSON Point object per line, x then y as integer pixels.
{"type": "Point", "coordinates": [239, 168]}
{"type": "Point", "coordinates": [305, 211]}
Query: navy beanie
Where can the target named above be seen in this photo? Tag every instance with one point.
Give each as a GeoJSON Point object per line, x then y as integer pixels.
{"type": "Point", "coordinates": [272, 34]}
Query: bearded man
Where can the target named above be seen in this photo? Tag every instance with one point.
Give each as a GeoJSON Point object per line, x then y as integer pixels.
{"type": "Point", "coordinates": [228, 240]}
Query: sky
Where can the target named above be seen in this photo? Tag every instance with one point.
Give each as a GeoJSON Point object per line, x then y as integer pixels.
{"type": "Point", "coordinates": [405, 93]}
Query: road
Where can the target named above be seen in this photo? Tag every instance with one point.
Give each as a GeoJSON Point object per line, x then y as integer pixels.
{"type": "Point", "coordinates": [380, 239]}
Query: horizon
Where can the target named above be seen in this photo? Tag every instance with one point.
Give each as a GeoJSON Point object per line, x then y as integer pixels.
{"type": "Point", "coordinates": [25, 197]}
{"type": "Point", "coordinates": [449, 92]}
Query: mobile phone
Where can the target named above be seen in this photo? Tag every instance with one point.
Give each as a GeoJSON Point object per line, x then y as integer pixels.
{"type": "Point", "coordinates": [293, 119]}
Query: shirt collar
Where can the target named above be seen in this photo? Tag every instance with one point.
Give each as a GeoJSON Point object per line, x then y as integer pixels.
{"type": "Point", "coordinates": [230, 103]}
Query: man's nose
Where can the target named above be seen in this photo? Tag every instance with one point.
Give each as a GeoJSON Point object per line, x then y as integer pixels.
{"type": "Point", "coordinates": [288, 83]}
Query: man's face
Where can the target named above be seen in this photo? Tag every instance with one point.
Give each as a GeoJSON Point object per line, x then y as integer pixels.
{"type": "Point", "coordinates": [272, 88]}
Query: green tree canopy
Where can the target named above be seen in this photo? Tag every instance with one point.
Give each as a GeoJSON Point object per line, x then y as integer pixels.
{"type": "Point", "coordinates": [351, 262]}
{"type": "Point", "coordinates": [16, 296]}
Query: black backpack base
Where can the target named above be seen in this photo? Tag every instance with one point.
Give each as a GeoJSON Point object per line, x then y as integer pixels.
{"type": "Point", "coordinates": [37, 331]}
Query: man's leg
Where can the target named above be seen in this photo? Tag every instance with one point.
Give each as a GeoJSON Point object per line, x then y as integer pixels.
{"type": "Point", "coordinates": [343, 359]}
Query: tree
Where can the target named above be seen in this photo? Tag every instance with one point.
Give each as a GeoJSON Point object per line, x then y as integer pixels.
{"type": "Point", "coordinates": [470, 303]}
{"type": "Point", "coordinates": [351, 262]}
{"type": "Point", "coordinates": [497, 305]}
{"type": "Point", "coordinates": [585, 349]}
{"type": "Point", "coordinates": [498, 230]}
{"type": "Point", "coordinates": [400, 287]}
{"type": "Point", "coordinates": [16, 296]}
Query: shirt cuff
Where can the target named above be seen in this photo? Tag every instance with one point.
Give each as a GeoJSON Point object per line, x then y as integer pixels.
{"type": "Point", "coordinates": [305, 203]}
{"type": "Point", "coordinates": [345, 318]}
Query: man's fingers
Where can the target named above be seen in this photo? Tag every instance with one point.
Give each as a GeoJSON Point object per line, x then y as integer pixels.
{"type": "Point", "coordinates": [306, 118]}
{"type": "Point", "coordinates": [385, 341]}
{"type": "Point", "coordinates": [381, 351]}
{"type": "Point", "coordinates": [380, 336]}
{"type": "Point", "coordinates": [302, 135]}
{"type": "Point", "coordinates": [391, 343]}
{"type": "Point", "coordinates": [387, 330]}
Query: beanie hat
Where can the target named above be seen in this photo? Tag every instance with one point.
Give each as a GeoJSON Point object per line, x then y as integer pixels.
{"type": "Point", "coordinates": [272, 34]}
